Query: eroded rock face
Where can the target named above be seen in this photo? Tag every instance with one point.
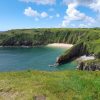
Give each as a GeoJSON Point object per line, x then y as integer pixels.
{"type": "Point", "coordinates": [73, 53]}
{"type": "Point", "coordinates": [89, 67]}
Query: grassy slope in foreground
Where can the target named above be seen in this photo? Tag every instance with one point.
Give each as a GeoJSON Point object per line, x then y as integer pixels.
{"type": "Point", "coordinates": [73, 85]}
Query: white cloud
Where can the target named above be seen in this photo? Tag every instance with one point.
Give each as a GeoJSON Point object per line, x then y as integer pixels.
{"type": "Point", "coordinates": [95, 5]}
{"type": "Point", "coordinates": [58, 15]}
{"type": "Point", "coordinates": [65, 23]}
{"type": "Point", "coordinates": [43, 2]}
{"type": "Point", "coordinates": [72, 14]}
{"type": "Point", "coordinates": [44, 14]}
{"type": "Point", "coordinates": [30, 12]}
{"type": "Point", "coordinates": [83, 2]}
{"type": "Point", "coordinates": [33, 13]}
{"type": "Point", "coordinates": [83, 26]}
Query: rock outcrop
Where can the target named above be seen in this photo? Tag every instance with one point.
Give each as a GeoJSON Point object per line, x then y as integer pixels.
{"type": "Point", "coordinates": [89, 66]}
{"type": "Point", "coordinates": [73, 53]}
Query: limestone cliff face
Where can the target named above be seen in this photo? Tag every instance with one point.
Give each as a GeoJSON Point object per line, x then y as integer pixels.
{"type": "Point", "coordinates": [76, 51]}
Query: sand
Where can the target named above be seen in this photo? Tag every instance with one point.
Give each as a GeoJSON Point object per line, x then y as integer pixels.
{"type": "Point", "coordinates": [60, 45]}
{"type": "Point", "coordinates": [85, 58]}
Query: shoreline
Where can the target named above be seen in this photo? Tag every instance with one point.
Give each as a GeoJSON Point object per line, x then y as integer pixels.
{"type": "Point", "coordinates": [21, 46]}
{"type": "Point", "coordinates": [60, 45]}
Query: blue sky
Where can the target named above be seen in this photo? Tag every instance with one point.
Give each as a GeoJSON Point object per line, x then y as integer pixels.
{"type": "Point", "coordinates": [16, 14]}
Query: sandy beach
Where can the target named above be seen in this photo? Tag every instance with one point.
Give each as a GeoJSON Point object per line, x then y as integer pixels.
{"type": "Point", "coordinates": [60, 45]}
{"type": "Point", "coordinates": [85, 58]}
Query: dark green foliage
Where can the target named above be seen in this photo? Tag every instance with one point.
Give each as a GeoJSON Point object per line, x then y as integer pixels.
{"type": "Point", "coordinates": [98, 55]}
{"type": "Point", "coordinates": [33, 37]}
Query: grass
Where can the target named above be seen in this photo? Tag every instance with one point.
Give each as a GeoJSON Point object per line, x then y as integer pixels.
{"type": "Point", "coordinates": [63, 85]}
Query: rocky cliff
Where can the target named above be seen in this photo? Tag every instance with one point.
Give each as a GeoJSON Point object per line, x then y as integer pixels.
{"type": "Point", "coordinates": [73, 53]}
{"type": "Point", "coordinates": [91, 65]}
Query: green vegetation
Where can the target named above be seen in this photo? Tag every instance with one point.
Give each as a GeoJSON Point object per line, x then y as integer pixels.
{"type": "Point", "coordinates": [70, 85]}
{"type": "Point", "coordinates": [87, 41]}
{"type": "Point", "coordinates": [45, 36]}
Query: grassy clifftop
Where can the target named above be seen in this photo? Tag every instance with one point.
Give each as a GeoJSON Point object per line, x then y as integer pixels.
{"type": "Point", "coordinates": [73, 85]}
{"type": "Point", "coordinates": [44, 36]}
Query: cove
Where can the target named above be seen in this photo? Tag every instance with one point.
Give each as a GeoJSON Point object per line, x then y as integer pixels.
{"type": "Point", "coordinates": [33, 58]}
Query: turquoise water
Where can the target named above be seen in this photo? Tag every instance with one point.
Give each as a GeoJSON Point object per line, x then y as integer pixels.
{"type": "Point", "coordinates": [37, 58]}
